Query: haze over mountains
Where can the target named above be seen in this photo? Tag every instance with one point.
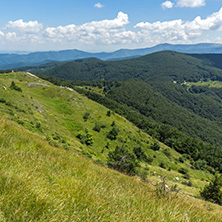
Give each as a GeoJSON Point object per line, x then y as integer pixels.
{"type": "Point", "coordinates": [10, 61]}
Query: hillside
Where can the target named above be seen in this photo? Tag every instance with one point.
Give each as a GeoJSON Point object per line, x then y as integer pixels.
{"type": "Point", "coordinates": [44, 162]}
{"type": "Point", "coordinates": [162, 93]}
{"type": "Point", "coordinates": [162, 66]}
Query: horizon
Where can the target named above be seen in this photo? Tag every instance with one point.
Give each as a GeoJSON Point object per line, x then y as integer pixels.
{"type": "Point", "coordinates": [17, 52]}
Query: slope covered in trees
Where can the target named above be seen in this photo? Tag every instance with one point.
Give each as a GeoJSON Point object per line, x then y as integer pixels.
{"type": "Point", "coordinates": [162, 66]}
{"type": "Point", "coordinates": [161, 91]}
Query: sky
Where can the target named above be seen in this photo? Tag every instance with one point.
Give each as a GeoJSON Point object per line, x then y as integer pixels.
{"type": "Point", "coordinates": [107, 25]}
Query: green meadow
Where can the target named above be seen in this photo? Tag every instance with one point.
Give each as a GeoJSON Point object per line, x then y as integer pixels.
{"type": "Point", "coordinates": [47, 173]}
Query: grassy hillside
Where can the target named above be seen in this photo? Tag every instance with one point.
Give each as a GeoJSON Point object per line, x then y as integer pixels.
{"type": "Point", "coordinates": [43, 183]}
{"type": "Point", "coordinates": [44, 171]}
{"type": "Point", "coordinates": [45, 176]}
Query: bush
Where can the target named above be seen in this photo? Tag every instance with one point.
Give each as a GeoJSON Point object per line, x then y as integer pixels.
{"type": "Point", "coordinates": [139, 152]}
{"type": "Point", "coordinates": [123, 160]}
{"type": "Point", "coordinates": [108, 113]}
{"type": "Point", "coordinates": [2, 100]}
{"type": "Point", "coordinates": [188, 183]}
{"type": "Point", "coordinates": [200, 164]}
{"type": "Point", "coordinates": [86, 116]}
{"type": "Point", "coordinates": [113, 133]}
{"type": "Point", "coordinates": [183, 171]}
{"type": "Point", "coordinates": [97, 127]}
{"type": "Point", "coordinates": [212, 192]}
{"type": "Point", "coordinates": [15, 87]}
{"type": "Point", "coordinates": [181, 159]}
{"type": "Point", "coordinates": [85, 138]}
{"type": "Point", "coordinates": [167, 152]}
{"type": "Point", "coordinates": [155, 146]}
{"type": "Point", "coordinates": [162, 165]}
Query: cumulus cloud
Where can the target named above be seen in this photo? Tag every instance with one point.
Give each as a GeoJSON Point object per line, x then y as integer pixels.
{"type": "Point", "coordinates": [113, 33]}
{"type": "Point", "coordinates": [183, 3]}
{"type": "Point", "coordinates": [11, 36]}
{"type": "Point", "coordinates": [104, 31]}
{"type": "Point", "coordinates": [179, 29]}
{"type": "Point", "coordinates": [98, 5]}
{"type": "Point", "coordinates": [190, 3]}
{"type": "Point", "coordinates": [167, 4]}
{"type": "Point", "coordinates": [20, 25]}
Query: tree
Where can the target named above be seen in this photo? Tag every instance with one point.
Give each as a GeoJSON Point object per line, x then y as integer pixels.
{"type": "Point", "coordinates": [112, 134]}
{"type": "Point", "coordinates": [212, 192]}
{"type": "Point", "coordinates": [15, 87]}
{"type": "Point", "coordinates": [123, 160]}
{"type": "Point", "coordinates": [108, 113]}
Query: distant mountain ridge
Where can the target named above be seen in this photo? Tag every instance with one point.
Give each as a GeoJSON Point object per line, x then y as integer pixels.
{"type": "Point", "coordinates": [10, 61]}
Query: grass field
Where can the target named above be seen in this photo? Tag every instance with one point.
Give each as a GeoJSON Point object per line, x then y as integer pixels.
{"type": "Point", "coordinates": [47, 174]}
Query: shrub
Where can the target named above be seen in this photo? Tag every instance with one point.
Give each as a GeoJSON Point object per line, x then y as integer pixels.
{"type": "Point", "coordinates": [85, 138]}
{"type": "Point", "coordinates": [187, 183]}
{"type": "Point", "coordinates": [181, 159]}
{"type": "Point", "coordinates": [139, 152]}
{"type": "Point", "coordinates": [167, 152]}
{"type": "Point", "coordinates": [212, 192]}
{"type": "Point", "coordinates": [15, 87]}
{"type": "Point", "coordinates": [97, 127]}
{"type": "Point", "coordinates": [108, 113]}
{"type": "Point", "coordinates": [123, 160]}
{"type": "Point", "coordinates": [113, 123]}
{"type": "Point", "coordinates": [200, 164]}
{"type": "Point", "coordinates": [113, 133]}
{"type": "Point", "coordinates": [86, 116]}
{"type": "Point", "coordinates": [155, 146]}
{"type": "Point", "coordinates": [149, 159]}
{"type": "Point", "coordinates": [38, 124]}
{"type": "Point", "coordinates": [183, 171]}
{"type": "Point", "coordinates": [162, 165]}
{"type": "Point", "coordinates": [2, 100]}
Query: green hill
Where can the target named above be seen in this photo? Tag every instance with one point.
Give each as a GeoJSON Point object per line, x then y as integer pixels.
{"type": "Point", "coordinates": [49, 172]}
{"type": "Point", "coordinates": [162, 66]}
{"type": "Point", "coordinates": [162, 94]}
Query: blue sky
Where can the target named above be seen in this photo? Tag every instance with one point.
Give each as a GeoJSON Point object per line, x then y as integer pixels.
{"type": "Point", "coordinates": [42, 25]}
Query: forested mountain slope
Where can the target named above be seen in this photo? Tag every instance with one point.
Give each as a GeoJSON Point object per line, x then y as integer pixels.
{"type": "Point", "coordinates": [162, 66]}
{"type": "Point", "coordinates": [164, 92]}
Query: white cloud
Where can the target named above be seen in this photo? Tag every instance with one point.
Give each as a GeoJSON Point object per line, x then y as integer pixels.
{"type": "Point", "coordinates": [167, 4]}
{"type": "Point", "coordinates": [98, 5]}
{"type": "Point", "coordinates": [10, 36]}
{"type": "Point", "coordinates": [191, 3]}
{"type": "Point", "coordinates": [179, 30]}
{"type": "Point", "coordinates": [20, 25]}
{"type": "Point", "coordinates": [104, 31]}
{"type": "Point", "coordinates": [111, 34]}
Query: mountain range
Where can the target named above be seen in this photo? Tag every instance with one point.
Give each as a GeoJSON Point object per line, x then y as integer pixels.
{"type": "Point", "coordinates": [11, 61]}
